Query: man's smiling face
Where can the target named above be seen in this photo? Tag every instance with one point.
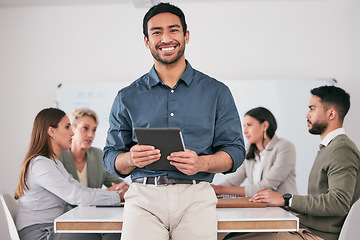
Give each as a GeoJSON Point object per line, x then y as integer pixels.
{"type": "Point", "coordinates": [166, 39]}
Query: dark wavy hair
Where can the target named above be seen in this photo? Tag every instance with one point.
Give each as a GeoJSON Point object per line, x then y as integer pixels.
{"type": "Point", "coordinates": [334, 96]}
{"type": "Point", "coordinates": [163, 8]}
{"type": "Point", "coordinates": [261, 114]}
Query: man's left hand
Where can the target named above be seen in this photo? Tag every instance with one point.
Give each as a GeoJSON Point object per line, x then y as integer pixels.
{"type": "Point", "coordinates": [187, 162]}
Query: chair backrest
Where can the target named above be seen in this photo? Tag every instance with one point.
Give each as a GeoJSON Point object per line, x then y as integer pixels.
{"type": "Point", "coordinates": [350, 230]}
{"type": "Point", "coordinates": [10, 207]}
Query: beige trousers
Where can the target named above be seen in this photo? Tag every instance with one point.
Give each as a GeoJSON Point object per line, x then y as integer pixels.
{"type": "Point", "coordinates": [176, 212]}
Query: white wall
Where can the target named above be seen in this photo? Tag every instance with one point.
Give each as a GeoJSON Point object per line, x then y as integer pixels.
{"type": "Point", "coordinates": [41, 47]}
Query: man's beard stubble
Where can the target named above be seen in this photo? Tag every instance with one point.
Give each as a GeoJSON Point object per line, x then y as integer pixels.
{"type": "Point", "coordinates": [318, 128]}
{"type": "Point", "coordinates": [175, 59]}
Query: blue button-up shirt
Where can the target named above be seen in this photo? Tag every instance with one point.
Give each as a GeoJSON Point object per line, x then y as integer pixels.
{"type": "Point", "coordinates": [202, 107]}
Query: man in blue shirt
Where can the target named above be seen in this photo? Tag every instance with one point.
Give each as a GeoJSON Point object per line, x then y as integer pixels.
{"type": "Point", "coordinates": [173, 204]}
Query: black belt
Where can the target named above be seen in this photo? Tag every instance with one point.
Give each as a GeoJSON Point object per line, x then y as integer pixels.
{"type": "Point", "coordinates": [163, 180]}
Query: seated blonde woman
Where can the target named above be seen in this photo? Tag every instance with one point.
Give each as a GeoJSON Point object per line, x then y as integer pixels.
{"type": "Point", "coordinates": [84, 162]}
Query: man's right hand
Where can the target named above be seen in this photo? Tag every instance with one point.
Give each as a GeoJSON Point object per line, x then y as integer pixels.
{"type": "Point", "coordinates": [143, 155]}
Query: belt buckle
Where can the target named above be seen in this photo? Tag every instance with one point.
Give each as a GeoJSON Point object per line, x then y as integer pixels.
{"type": "Point", "coordinates": [156, 180]}
{"type": "Point", "coordinates": [163, 180]}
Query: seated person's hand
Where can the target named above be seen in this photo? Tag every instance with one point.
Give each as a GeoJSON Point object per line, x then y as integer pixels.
{"type": "Point", "coordinates": [121, 188]}
{"type": "Point", "coordinates": [268, 196]}
{"type": "Point", "coordinates": [217, 188]}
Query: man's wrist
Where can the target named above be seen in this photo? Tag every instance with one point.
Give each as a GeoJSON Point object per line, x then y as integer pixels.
{"type": "Point", "coordinates": [287, 199]}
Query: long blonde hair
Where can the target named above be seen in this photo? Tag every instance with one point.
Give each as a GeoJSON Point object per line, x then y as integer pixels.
{"type": "Point", "coordinates": [40, 144]}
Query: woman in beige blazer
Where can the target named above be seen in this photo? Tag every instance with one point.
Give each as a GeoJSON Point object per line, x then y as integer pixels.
{"type": "Point", "coordinates": [270, 161]}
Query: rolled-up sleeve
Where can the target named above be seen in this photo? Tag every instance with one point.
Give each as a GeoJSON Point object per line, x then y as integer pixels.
{"type": "Point", "coordinates": [118, 137]}
{"type": "Point", "coordinates": [228, 130]}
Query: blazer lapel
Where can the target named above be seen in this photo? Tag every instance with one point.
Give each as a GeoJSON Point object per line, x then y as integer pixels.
{"type": "Point", "coordinates": [269, 155]}
{"type": "Point", "coordinates": [69, 164]}
{"type": "Point", "coordinates": [92, 169]}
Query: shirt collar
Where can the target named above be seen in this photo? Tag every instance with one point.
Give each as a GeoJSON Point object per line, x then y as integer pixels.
{"type": "Point", "coordinates": [187, 76]}
{"type": "Point", "coordinates": [331, 135]}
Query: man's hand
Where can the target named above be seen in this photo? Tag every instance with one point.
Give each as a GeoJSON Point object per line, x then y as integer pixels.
{"type": "Point", "coordinates": [187, 162]}
{"type": "Point", "coordinates": [143, 155]}
{"type": "Point", "coordinates": [273, 198]}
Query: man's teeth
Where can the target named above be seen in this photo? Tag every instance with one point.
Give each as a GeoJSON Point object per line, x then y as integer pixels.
{"type": "Point", "coordinates": [168, 49]}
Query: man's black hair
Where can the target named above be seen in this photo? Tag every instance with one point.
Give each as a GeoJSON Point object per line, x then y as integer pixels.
{"type": "Point", "coordinates": [334, 96]}
{"type": "Point", "coordinates": [163, 8]}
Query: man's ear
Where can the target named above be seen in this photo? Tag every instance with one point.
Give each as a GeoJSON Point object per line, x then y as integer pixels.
{"type": "Point", "coordinates": [187, 37]}
{"type": "Point", "coordinates": [332, 114]}
{"type": "Point", "coordinates": [146, 41]}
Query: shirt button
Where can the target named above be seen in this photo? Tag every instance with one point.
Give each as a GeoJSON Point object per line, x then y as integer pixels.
{"type": "Point", "coordinates": [172, 91]}
{"type": "Point", "coordinates": [172, 114]}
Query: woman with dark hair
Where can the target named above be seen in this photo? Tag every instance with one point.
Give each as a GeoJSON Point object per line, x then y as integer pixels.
{"type": "Point", "coordinates": [270, 161]}
{"type": "Point", "coordinates": [44, 185]}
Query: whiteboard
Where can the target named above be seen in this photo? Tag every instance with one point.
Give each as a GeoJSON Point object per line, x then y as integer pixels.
{"type": "Point", "coordinates": [287, 99]}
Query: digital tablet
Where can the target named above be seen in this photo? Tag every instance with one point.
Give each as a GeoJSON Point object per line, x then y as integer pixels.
{"type": "Point", "coordinates": [167, 140]}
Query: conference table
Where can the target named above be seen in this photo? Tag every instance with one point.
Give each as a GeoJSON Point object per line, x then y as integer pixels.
{"type": "Point", "coordinates": [230, 219]}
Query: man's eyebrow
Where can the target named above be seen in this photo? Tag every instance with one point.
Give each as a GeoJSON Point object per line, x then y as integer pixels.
{"type": "Point", "coordinates": [155, 28]}
{"type": "Point", "coordinates": [170, 26]}
{"type": "Point", "coordinates": [311, 106]}
{"type": "Point", "coordinates": [175, 25]}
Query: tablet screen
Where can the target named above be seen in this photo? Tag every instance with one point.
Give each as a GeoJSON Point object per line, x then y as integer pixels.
{"type": "Point", "coordinates": [167, 140]}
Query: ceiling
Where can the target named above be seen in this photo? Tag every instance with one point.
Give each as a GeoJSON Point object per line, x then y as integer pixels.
{"type": "Point", "coordinates": [137, 3]}
{"type": "Point", "coordinates": [22, 3]}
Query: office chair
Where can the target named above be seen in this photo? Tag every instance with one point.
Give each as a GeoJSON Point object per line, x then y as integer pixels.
{"type": "Point", "coordinates": [10, 207]}
{"type": "Point", "coordinates": [350, 230]}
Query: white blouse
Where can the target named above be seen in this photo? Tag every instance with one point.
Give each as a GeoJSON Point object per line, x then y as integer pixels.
{"type": "Point", "coordinates": [258, 167]}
